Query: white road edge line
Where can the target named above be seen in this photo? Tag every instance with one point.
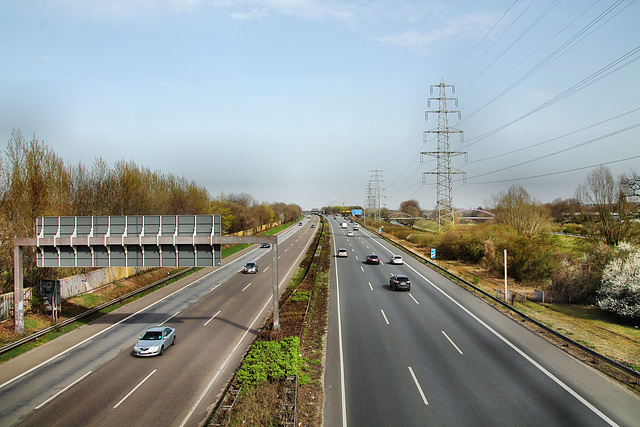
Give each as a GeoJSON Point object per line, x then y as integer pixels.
{"type": "Point", "coordinates": [63, 390]}
{"type": "Point", "coordinates": [212, 317]}
{"type": "Point", "coordinates": [523, 354]}
{"type": "Point", "coordinates": [169, 318]}
{"type": "Point", "coordinates": [226, 361]}
{"type": "Point", "coordinates": [385, 316]}
{"type": "Point", "coordinates": [343, 393]}
{"type": "Point", "coordinates": [246, 287]}
{"type": "Point", "coordinates": [414, 300]}
{"type": "Point", "coordinates": [101, 332]}
{"type": "Point", "coordinates": [135, 388]}
{"type": "Point", "coordinates": [415, 380]}
{"type": "Point", "coordinates": [451, 341]}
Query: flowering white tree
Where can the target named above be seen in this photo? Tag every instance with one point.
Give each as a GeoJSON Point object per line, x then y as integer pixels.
{"type": "Point", "coordinates": [620, 289]}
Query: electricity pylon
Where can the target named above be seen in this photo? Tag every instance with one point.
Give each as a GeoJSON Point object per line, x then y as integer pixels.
{"type": "Point", "coordinates": [445, 214]}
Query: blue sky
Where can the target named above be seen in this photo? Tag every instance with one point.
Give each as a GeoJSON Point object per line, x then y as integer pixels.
{"type": "Point", "coordinates": [298, 101]}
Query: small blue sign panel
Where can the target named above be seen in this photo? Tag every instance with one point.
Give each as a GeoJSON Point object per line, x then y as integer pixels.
{"type": "Point", "coordinates": [356, 211]}
{"type": "Point", "coordinates": [433, 253]}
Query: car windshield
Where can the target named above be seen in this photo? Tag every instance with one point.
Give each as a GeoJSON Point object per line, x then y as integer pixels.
{"type": "Point", "coordinates": [251, 264]}
{"type": "Point", "coordinates": [152, 335]}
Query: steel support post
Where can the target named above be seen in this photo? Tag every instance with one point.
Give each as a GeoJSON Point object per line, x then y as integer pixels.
{"type": "Point", "coordinates": [276, 295]}
{"type": "Point", "coordinates": [18, 290]}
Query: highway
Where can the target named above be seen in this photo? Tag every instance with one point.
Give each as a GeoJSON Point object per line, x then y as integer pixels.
{"type": "Point", "coordinates": [90, 377]}
{"type": "Point", "coordinates": [438, 355]}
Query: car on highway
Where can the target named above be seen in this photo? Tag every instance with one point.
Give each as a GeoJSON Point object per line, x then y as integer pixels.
{"type": "Point", "coordinates": [313, 226]}
{"type": "Point", "coordinates": [250, 268]}
{"type": "Point", "coordinates": [342, 252]}
{"type": "Point", "coordinates": [356, 227]}
{"type": "Point", "coordinates": [349, 233]}
{"type": "Point", "coordinates": [399, 281]}
{"type": "Point", "coordinates": [155, 341]}
{"type": "Point", "coordinates": [372, 259]}
{"type": "Point", "coordinates": [396, 259]}
{"type": "Point", "coordinates": [299, 223]}
{"type": "Point", "coordinates": [265, 245]}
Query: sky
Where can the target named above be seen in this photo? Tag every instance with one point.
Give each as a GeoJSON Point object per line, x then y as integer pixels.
{"type": "Point", "coordinates": [308, 101]}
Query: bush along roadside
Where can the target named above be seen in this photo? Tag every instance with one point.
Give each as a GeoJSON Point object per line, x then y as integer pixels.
{"type": "Point", "coordinates": [283, 369]}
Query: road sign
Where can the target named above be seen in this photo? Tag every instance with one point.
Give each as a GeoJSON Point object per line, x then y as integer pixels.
{"type": "Point", "coordinates": [356, 211]}
{"type": "Point", "coordinates": [433, 253]}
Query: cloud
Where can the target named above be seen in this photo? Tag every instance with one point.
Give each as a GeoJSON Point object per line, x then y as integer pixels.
{"type": "Point", "coordinates": [422, 42]}
{"type": "Point", "coordinates": [255, 14]}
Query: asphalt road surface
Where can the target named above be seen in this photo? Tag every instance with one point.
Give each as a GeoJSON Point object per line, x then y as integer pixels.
{"type": "Point", "coordinates": [438, 355]}
{"type": "Point", "coordinates": [90, 377]}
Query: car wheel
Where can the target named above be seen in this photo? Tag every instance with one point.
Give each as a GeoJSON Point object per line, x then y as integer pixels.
{"type": "Point", "coordinates": [161, 351]}
{"type": "Point", "coordinates": [174, 340]}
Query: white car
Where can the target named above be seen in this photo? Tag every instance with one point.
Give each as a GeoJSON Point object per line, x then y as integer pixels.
{"type": "Point", "coordinates": [349, 233]}
{"type": "Point", "coordinates": [342, 252]}
{"type": "Point", "coordinates": [396, 259]}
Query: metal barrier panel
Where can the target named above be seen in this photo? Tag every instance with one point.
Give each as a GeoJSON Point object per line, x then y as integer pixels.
{"type": "Point", "coordinates": [110, 241]}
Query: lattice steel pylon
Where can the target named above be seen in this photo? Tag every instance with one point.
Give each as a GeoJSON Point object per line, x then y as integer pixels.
{"type": "Point", "coordinates": [445, 213]}
{"type": "Point", "coordinates": [374, 194]}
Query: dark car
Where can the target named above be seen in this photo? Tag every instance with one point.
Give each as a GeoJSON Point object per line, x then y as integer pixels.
{"type": "Point", "coordinates": [372, 259]}
{"type": "Point", "coordinates": [265, 245]}
{"type": "Point", "coordinates": [399, 282]}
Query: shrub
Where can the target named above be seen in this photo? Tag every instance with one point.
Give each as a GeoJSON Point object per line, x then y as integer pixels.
{"type": "Point", "coordinates": [620, 290]}
{"type": "Point", "coordinates": [270, 360]}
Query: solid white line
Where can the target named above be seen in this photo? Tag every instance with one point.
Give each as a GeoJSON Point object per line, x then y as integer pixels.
{"type": "Point", "coordinates": [63, 390]}
{"type": "Point", "coordinates": [416, 301]}
{"type": "Point", "coordinates": [170, 317]}
{"type": "Point", "coordinates": [101, 332]}
{"type": "Point", "coordinates": [452, 343]}
{"type": "Point", "coordinates": [385, 316]}
{"type": "Point", "coordinates": [135, 388]}
{"type": "Point", "coordinates": [415, 380]}
{"type": "Point", "coordinates": [343, 392]}
{"type": "Point", "coordinates": [524, 355]}
{"type": "Point", "coordinates": [370, 285]}
{"type": "Point", "coordinates": [213, 317]}
{"type": "Point", "coordinates": [246, 287]}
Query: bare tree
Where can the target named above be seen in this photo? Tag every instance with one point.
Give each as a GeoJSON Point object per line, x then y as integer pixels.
{"type": "Point", "coordinates": [601, 192]}
{"type": "Point", "coordinates": [520, 211]}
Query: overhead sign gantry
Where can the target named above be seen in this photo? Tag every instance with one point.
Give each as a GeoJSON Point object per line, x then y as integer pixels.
{"type": "Point", "coordinates": [131, 241]}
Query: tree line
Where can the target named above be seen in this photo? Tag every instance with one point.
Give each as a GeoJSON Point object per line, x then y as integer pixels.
{"type": "Point", "coordinates": [35, 182]}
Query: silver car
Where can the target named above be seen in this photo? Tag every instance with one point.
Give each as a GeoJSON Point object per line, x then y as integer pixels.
{"type": "Point", "coordinates": [155, 341]}
{"type": "Point", "coordinates": [250, 267]}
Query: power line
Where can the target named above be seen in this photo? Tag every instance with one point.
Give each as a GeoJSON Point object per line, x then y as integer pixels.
{"type": "Point", "coordinates": [554, 139]}
{"type": "Point", "coordinates": [556, 173]}
{"type": "Point", "coordinates": [598, 75]}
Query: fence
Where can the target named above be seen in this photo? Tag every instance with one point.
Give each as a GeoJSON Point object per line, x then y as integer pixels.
{"type": "Point", "coordinates": [72, 286]}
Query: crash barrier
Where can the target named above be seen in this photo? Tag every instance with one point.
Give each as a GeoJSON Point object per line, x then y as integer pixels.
{"type": "Point", "coordinates": [64, 322]}
{"type": "Point", "coordinates": [627, 370]}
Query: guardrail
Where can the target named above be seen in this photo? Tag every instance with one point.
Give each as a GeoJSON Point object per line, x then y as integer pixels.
{"type": "Point", "coordinates": [557, 334]}
{"type": "Point", "coordinates": [89, 312]}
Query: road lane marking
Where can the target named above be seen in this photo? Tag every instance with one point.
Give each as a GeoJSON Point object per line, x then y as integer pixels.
{"type": "Point", "coordinates": [265, 270]}
{"type": "Point", "coordinates": [451, 341]}
{"type": "Point", "coordinates": [415, 300]}
{"type": "Point", "coordinates": [523, 354]}
{"type": "Point", "coordinates": [63, 390]}
{"type": "Point", "coordinates": [212, 317]}
{"type": "Point", "coordinates": [385, 316]}
{"type": "Point", "coordinates": [228, 359]}
{"type": "Point", "coordinates": [415, 380]}
{"type": "Point", "coordinates": [169, 318]}
{"type": "Point", "coordinates": [362, 269]}
{"type": "Point", "coordinates": [370, 285]}
{"type": "Point", "coordinates": [103, 331]}
{"type": "Point", "coordinates": [246, 287]}
{"type": "Point", "coordinates": [135, 388]}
